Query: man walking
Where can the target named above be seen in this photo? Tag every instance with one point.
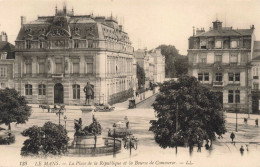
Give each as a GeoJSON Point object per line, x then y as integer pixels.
{"type": "Point", "coordinates": [232, 136]}
{"type": "Point", "coordinates": [241, 150]}
{"type": "Point", "coordinates": [256, 122]}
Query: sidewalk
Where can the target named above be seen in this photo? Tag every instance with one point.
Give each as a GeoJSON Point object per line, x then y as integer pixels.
{"type": "Point", "coordinates": [138, 99]}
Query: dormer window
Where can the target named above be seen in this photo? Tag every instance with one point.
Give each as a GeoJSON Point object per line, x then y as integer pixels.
{"type": "Point", "coordinates": [41, 44]}
{"type": "Point", "coordinates": [28, 44]}
{"type": "Point", "coordinates": [76, 43]}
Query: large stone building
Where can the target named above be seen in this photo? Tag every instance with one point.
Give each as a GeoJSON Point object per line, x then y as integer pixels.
{"type": "Point", "coordinates": [57, 55]}
{"type": "Point", "coordinates": [6, 62]}
{"type": "Point", "coordinates": [159, 66]}
{"type": "Point", "coordinates": [221, 59]}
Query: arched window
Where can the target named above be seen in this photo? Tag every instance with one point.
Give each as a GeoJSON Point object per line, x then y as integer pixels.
{"type": "Point", "coordinates": [42, 89]}
{"type": "Point", "coordinates": [76, 91]}
{"type": "Point", "coordinates": [28, 89]}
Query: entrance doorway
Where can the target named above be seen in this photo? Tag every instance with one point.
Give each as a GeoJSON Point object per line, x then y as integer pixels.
{"type": "Point", "coordinates": [58, 93]}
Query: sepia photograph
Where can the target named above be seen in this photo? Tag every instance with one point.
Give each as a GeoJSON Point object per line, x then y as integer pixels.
{"type": "Point", "coordinates": [122, 83]}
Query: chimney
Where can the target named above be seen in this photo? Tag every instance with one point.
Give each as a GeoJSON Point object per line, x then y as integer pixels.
{"type": "Point", "coordinates": [56, 10]}
{"type": "Point", "coordinates": [252, 27]}
{"type": "Point", "coordinates": [193, 31]}
{"type": "Point", "coordinates": [4, 36]}
{"type": "Point", "coordinates": [199, 31]}
{"type": "Point", "coordinates": [23, 20]}
{"type": "Point", "coordinates": [120, 27]}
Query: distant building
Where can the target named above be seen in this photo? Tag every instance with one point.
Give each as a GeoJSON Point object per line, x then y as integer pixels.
{"type": "Point", "coordinates": [255, 77]}
{"type": "Point", "coordinates": [159, 66]}
{"type": "Point", "coordinates": [57, 55]}
{"type": "Point", "coordinates": [153, 63]}
{"type": "Point", "coordinates": [221, 59]}
{"type": "Point", "coordinates": [6, 62]}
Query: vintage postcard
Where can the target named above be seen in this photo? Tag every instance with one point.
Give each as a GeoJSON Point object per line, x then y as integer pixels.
{"type": "Point", "coordinates": [122, 83]}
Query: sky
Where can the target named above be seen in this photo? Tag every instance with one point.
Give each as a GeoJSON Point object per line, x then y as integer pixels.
{"type": "Point", "coordinates": [149, 23]}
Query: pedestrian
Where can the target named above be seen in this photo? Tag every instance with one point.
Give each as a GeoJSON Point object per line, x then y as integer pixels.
{"type": "Point", "coordinates": [207, 146]}
{"type": "Point", "coordinates": [241, 150]}
{"type": "Point", "coordinates": [245, 120]}
{"type": "Point", "coordinates": [247, 149]}
{"type": "Point", "coordinates": [232, 136]}
{"type": "Point", "coordinates": [126, 122]}
{"type": "Point", "coordinates": [199, 146]}
{"type": "Point", "coordinates": [256, 122]}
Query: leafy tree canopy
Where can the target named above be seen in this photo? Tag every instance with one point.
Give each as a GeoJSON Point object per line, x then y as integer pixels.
{"type": "Point", "coordinates": [175, 64]}
{"type": "Point", "coordinates": [13, 107]}
{"type": "Point", "coordinates": [199, 113]}
{"type": "Point", "coordinates": [49, 139]}
{"type": "Point", "coordinates": [140, 75]}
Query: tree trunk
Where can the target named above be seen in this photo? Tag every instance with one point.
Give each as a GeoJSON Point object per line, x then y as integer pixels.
{"type": "Point", "coordinates": [9, 126]}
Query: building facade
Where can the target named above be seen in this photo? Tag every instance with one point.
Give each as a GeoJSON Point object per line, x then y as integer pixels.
{"type": "Point", "coordinates": [159, 66]}
{"type": "Point", "coordinates": [56, 56]}
{"type": "Point", "coordinates": [6, 62]}
{"type": "Point", "coordinates": [221, 59]}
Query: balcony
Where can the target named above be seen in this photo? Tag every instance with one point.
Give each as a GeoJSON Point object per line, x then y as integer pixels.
{"type": "Point", "coordinates": [218, 83]}
{"type": "Point", "coordinates": [58, 76]}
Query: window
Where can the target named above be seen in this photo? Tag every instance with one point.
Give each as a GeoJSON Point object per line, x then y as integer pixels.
{"type": "Point", "coordinates": [218, 58]}
{"type": "Point", "coordinates": [219, 77]}
{"type": "Point", "coordinates": [3, 71]}
{"type": "Point", "coordinates": [237, 96]}
{"type": "Point", "coordinates": [59, 66]}
{"type": "Point", "coordinates": [3, 56]}
{"type": "Point", "coordinates": [76, 43]}
{"type": "Point", "coordinates": [28, 66]}
{"type": "Point", "coordinates": [233, 44]}
{"type": "Point", "coordinates": [203, 58]}
{"type": "Point", "coordinates": [233, 58]}
{"type": "Point", "coordinates": [42, 89]}
{"type": "Point", "coordinates": [203, 76]}
{"type": "Point", "coordinates": [28, 44]}
{"type": "Point", "coordinates": [256, 86]}
{"type": "Point", "coordinates": [2, 85]}
{"type": "Point", "coordinates": [218, 44]}
{"type": "Point", "coordinates": [255, 73]}
{"type": "Point", "coordinates": [75, 65]}
{"type": "Point", "coordinates": [41, 66]}
{"type": "Point", "coordinates": [76, 91]}
{"type": "Point", "coordinates": [41, 44]}
{"type": "Point", "coordinates": [237, 76]}
{"type": "Point", "coordinates": [230, 96]}
{"type": "Point", "coordinates": [233, 77]}
{"type": "Point", "coordinates": [89, 63]}
{"type": "Point", "coordinates": [203, 45]}
{"type": "Point", "coordinates": [28, 89]}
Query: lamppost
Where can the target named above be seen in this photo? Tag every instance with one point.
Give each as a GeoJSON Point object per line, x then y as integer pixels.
{"type": "Point", "coordinates": [130, 142]}
{"type": "Point", "coordinates": [236, 99]}
{"type": "Point", "coordinates": [59, 113]}
{"type": "Point", "coordinates": [114, 136]}
{"type": "Point", "coordinates": [65, 119]}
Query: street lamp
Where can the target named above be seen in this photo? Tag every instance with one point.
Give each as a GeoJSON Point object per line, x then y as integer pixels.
{"type": "Point", "coordinates": [130, 142]}
{"type": "Point", "coordinates": [236, 99]}
{"type": "Point", "coordinates": [114, 136]}
{"type": "Point", "coordinates": [59, 113]}
{"type": "Point", "coordinates": [65, 119]}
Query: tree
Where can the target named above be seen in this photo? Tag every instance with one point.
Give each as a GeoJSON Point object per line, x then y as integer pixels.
{"type": "Point", "coordinates": [198, 113]}
{"type": "Point", "coordinates": [175, 64]}
{"type": "Point", "coordinates": [140, 75]}
{"type": "Point", "coordinates": [181, 65]}
{"type": "Point", "coordinates": [49, 139]}
{"type": "Point", "coordinates": [13, 107]}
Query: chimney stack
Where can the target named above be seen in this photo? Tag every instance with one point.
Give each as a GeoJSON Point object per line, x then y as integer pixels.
{"type": "Point", "coordinates": [23, 20]}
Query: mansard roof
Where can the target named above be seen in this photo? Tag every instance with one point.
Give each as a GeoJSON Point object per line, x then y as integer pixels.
{"type": "Point", "coordinates": [226, 32]}
{"type": "Point", "coordinates": [81, 26]}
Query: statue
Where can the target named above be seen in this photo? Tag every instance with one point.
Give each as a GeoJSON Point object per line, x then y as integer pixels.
{"type": "Point", "coordinates": [88, 92]}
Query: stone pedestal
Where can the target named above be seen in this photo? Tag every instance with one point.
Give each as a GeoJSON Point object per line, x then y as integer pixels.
{"type": "Point", "coordinates": [87, 115]}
